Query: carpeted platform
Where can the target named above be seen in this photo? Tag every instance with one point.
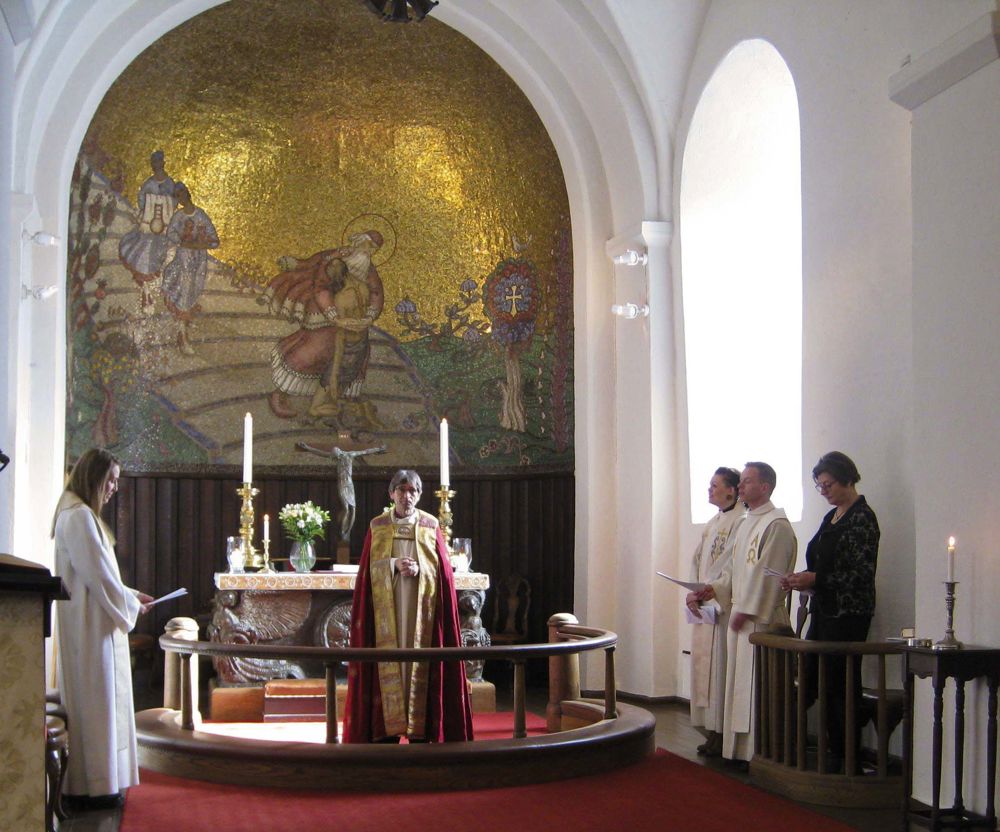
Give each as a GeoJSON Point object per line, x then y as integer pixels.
{"type": "Point", "coordinates": [488, 726]}
{"type": "Point", "coordinates": [662, 793]}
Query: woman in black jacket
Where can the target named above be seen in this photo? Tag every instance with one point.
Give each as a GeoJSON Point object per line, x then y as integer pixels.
{"type": "Point", "coordinates": [840, 574]}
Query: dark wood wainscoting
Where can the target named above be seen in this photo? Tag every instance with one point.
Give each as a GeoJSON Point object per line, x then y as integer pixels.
{"type": "Point", "coordinates": [172, 531]}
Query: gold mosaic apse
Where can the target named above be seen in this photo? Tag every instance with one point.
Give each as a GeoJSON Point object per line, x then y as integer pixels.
{"type": "Point", "coordinates": [290, 120]}
{"type": "Point", "coordinates": [296, 125]}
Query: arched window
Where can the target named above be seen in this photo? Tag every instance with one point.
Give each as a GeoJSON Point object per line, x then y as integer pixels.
{"type": "Point", "coordinates": [741, 266]}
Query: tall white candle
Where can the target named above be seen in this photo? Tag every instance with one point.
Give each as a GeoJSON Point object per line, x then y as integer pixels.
{"type": "Point", "coordinates": [951, 560]}
{"type": "Point", "coordinates": [445, 477]}
{"type": "Point", "coordinates": [267, 528]}
{"type": "Point", "coordinates": [248, 448]}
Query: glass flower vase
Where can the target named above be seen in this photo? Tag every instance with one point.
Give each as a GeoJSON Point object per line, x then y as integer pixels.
{"type": "Point", "coordinates": [303, 555]}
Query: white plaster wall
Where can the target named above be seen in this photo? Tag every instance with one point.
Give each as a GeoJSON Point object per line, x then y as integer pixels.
{"type": "Point", "coordinates": [8, 291]}
{"type": "Point", "coordinates": [956, 302]}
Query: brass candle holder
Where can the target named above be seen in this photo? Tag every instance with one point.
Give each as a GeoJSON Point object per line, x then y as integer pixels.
{"type": "Point", "coordinates": [247, 492]}
{"type": "Point", "coordinates": [444, 495]}
{"type": "Point", "coordinates": [949, 642]}
{"type": "Point", "coordinates": [267, 568]}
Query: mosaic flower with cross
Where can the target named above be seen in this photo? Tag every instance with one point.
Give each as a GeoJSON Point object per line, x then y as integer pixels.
{"type": "Point", "coordinates": [510, 301]}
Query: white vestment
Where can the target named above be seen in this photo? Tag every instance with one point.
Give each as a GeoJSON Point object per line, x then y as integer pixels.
{"type": "Point", "coordinates": [708, 641]}
{"type": "Point", "coordinates": [95, 674]}
{"type": "Point", "coordinates": [763, 540]}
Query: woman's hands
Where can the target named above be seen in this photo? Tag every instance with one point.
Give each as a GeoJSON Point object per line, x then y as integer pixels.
{"type": "Point", "coordinates": [798, 581]}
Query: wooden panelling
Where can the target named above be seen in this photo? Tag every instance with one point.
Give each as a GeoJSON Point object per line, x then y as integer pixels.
{"type": "Point", "coordinates": [172, 531]}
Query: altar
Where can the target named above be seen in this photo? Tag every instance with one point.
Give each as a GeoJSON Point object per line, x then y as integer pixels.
{"type": "Point", "coordinates": [310, 609]}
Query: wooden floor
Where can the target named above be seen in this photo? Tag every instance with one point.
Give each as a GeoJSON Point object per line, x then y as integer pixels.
{"type": "Point", "coordinates": [673, 732]}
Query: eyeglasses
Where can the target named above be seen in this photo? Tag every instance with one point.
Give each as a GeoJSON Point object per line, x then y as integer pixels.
{"type": "Point", "coordinates": [824, 486]}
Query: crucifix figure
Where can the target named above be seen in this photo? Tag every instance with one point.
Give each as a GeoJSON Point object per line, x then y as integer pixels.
{"type": "Point", "coordinates": [345, 484]}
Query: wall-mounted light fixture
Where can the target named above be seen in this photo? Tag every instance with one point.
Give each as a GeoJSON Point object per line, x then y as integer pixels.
{"type": "Point", "coordinates": [394, 11]}
{"type": "Point", "coordinates": [38, 292]}
{"type": "Point", "coordinates": [40, 238]}
{"type": "Point", "coordinates": [631, 310]}
{"type": "Point", "coordinates": [631, 257]}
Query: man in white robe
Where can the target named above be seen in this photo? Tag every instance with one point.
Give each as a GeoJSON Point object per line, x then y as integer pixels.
{"type": "Point", "coordinates": [711, 618]}
{"type": "Point", "coordinates": [764, 541]}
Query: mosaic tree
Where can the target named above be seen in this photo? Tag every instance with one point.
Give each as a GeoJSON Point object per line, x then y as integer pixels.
{"type": "Point", "coordinates": [510, 301]}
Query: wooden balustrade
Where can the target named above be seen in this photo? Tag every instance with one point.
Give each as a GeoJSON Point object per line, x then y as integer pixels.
{"type": "Point", "coordinates": [782, 760]}
{"type": "Point", "coordinates": [568, 640]}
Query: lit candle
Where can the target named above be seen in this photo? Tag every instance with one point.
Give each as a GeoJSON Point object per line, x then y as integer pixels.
{"type": "Point", "coordinates": [951, 560]}
{"type": "Point", "coordinates": [267, 528]}
{"type": "Point", "coordinates": [445, 479]}
{"type": "Point", "coordinates": [248, 448]}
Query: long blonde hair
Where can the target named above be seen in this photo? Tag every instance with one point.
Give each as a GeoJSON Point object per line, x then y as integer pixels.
{"type": "Point", "coordinates": [89, 477]}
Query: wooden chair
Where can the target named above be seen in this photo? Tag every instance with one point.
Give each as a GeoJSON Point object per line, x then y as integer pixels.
{"type": "Point", "coordinates": [56, 757]}
{"type": "Point", "coordinates": [510, 614]}
{"type": "Point", "coordinates": [868, 708]}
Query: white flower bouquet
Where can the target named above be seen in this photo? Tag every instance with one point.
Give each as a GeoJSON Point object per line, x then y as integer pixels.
{"type": "Point", "coordinates": [304, 521]}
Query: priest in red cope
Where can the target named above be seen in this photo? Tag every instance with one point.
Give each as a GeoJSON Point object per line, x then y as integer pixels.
{"type": "Point", "coordinates": [405, 597]}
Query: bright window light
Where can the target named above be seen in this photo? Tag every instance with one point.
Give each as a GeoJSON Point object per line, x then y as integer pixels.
{"type": "Point", "coordinates": [741, 266]}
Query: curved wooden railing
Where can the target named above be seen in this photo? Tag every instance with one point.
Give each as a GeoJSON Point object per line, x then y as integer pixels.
{"type": "Point", "coordinates": [567, 639]}
{"type": "Point", "coordinates": [780, 702]}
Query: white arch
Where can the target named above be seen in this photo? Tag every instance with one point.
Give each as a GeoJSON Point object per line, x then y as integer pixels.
{"type": "Point", "coordinates": [560, 55]}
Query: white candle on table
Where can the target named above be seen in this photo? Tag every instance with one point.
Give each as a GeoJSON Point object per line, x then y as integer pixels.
{"type": "Point", "coordinates": [267, 528]}
{"type": "Point", "coordinates": [445, 479]}
{"type": "Point", "coordinates": [951, 560]}
{"type": "Point", "coordinates": [248, 448]}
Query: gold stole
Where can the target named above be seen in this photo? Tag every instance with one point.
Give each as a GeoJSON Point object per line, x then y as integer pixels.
{"type": "Point", "coordinates": [398, 718]}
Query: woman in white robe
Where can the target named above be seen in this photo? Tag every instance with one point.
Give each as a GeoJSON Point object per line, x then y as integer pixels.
{"type": "Point", "coordinates": [95, 675]}
{"type": "Point", "coordinates": [708, 639]}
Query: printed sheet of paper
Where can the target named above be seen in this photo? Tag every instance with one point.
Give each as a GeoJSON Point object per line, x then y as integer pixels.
{"type": "Point", "coordinates": [774, 573]}
{"type": "Point", "coordinates": [177, 593]}
{"type": "Point", "coordinates": [709, 614]}
{"type": "Point", "coordinates": [693, 586]}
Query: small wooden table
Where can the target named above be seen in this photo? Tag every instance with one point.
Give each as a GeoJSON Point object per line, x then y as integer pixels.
{"type": "Point", "coordinates": [962, 665]}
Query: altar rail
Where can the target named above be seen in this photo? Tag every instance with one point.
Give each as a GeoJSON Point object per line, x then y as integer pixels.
{"type": "Point", "coordinates": [567, 639]}
{"type": "Point", "coordinates": [781, 762]}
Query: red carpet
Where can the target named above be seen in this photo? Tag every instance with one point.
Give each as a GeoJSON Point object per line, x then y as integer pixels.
{"type": "Point", "coordinates": [662, 793]}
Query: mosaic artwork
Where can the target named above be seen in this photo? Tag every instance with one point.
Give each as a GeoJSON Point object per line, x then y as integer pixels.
{"type": "Point", "coordinates": [348, 229]}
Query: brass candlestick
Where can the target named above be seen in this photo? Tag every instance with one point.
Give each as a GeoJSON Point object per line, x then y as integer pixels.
{"type": "Point", "coordinates": [444, 513]}
{"type": "Point", "coordinates": [949, 642]}
{"type": "Point", "coordinates": [247, 492]}
{"type": "Point", "coordinates": [267, 568]}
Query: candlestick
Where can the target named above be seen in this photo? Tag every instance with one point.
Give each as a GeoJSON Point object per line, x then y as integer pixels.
{"type": "Point", "coordinates": [247, 492]}
{"type": "Point", "coordinates": [445, 494]}
{"type": "Point", "coordinates": [266, 568]}
{"type": "Point", "coordinates": [949, 642]}
{"type": "Point", "coordinates": [445, 478]}
{"type": "Point", "coordinates": [951, 560]}
{"type": "Point", "coordinates": [248, 448]}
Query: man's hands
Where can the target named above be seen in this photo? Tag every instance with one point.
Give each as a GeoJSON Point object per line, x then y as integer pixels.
{"type": "Point", "coordinates": [145, 600]}
{"type": "Point", "coordinates": [408, 567]}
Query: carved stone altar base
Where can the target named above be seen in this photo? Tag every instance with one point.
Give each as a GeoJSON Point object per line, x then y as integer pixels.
{"type": "Point", "coordinates": [312, 609]}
